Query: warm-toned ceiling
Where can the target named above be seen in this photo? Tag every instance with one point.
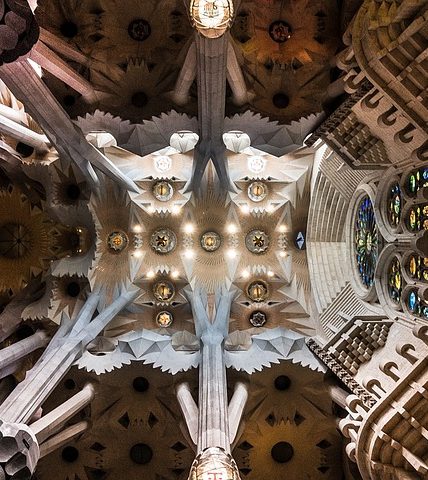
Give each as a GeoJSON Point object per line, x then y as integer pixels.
{"type": "Point", "coordinates": [135, 50]}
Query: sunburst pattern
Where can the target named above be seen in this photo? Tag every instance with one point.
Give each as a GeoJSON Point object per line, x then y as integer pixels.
{"type": "Point", "coordinates": [111, 271]}
{"type": "Point", "coordinates": [15, 209]}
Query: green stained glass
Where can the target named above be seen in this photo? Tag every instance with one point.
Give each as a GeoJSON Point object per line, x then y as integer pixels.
{"type": "Point", "coordinates": [394, 205]}
{"type": "Point", "coordinates": [366, 241]}
{"type": "Point", "coordinates": [417, 180]}
{"type": "Point", "coordinates": [395, 281]}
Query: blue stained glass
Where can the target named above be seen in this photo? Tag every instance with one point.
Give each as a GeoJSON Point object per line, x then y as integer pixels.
{"type": "Point", "coordinates": [394, 205]}
{"type": "Point", "coordinates": [413, 301]}
{"type": "Point", "coordinates": [300, 241]}
{"type": "Point", "coordinates": [417, 180]}
{"type": "Point", "coordinates": [366, 241]}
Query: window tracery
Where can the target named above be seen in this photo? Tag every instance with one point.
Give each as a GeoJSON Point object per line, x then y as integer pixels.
{"type": "Point", "coordinates": [390, 268]}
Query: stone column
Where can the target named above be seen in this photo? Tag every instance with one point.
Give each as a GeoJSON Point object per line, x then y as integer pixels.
{"type": "Point", "coordinates": [211, 76]}
{"type": "Point", "coordinates": [67, 138]}
{"type": "Point", "coordinates": [62, 438]}
{"type": "Point", "coordinates": [180, 94]}
{"type": "Point", "coordinates": [19, 448]}
{"type": "Point", "coordinates": [213, 440]}
{"type": "Point", "coordinates": [54, 420]}
{"type": "Point", "coordinates": [18, 350]}
{"type": "Point", "coordinates": [236, 408]}
{"type": "Point", "coordinates": [213, 409]}
{"type": "Point", "coordinates": [22, 134]}
{"type": "Point", "coordinates": [59, 356]}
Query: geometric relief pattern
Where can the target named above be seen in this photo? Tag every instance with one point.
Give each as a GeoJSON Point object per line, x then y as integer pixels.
{"type": "Point", "coordinates": [358, 344]}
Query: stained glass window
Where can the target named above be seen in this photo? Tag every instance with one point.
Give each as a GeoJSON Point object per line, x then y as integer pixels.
{"type": "Point", "coordinates": [366, 241]}
{"type": "Point", "coordinates": [417, 218]}
{"type": "Point", "coordinates": [416, 305]}
{"type": "Point", "coordinates": [394, 205]}
{"type": "Point", "coordinates": [395, 280]}
{"type": "Point", "coordinates": [417, 180]}
{"type": "Point", "coordinates": [418, 268]}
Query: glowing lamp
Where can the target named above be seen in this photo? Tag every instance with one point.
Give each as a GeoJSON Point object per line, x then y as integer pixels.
{"type": "Point", "coordinates": [214, 464]}
{"type": "Point", "coordinates": [211, 17]}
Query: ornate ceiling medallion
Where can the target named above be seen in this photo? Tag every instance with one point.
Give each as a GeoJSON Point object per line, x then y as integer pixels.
{"type": "Point", "coordinates": [117, 241]}
{"type": "Point", "coordinates": [256, 164]}
{"type": "Point", "coordinates": [163, 240]}
{"type": "Point", "coordinates": [258, 291]}
{"type": "Point", "coordinates": [257, 241]}
{"type": "Point", "coordinates": [211, 17]}
{"type": "Point", "coordinates": [139, 29]}
{"type": "Point", "coordinates": [257, 191]}
{"type": "Point", "coordinates": [164, 319]}
{"type": "Point", "coordinates": [258, 318]}
{"type": "Point", "coordinates": [163, 291]}
{"type": "Point", "coordinates": [210, 241]}
{"type": "Point", "coordinates": [280, 31]}
{"type": "Point", "coordinates": [162, 163]}
{"type": "Point", "coordinates": [163, 191]}
{"type": "Point", "coordinates": [366, 241]}
{"type": "Point", "coordinates": [15, 240]}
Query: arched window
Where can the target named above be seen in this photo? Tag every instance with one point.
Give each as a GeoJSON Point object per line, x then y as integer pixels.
{"type": "Point", "coordinates": [417, 267]}
{"type": "Point", "coordinates": [417, 180]}
{"type": "Point", "coordinates": [416, 305]}
{"type": "Point", "coordinates": [366, 241]}
{"type": "Point", "coordinates": [417, 218]}
{"type": "Point", "coordinates": [395, 205]}
{"type": "Point", "coordinates": [395, 281]}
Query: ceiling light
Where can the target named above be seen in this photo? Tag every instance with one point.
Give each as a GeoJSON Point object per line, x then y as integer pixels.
{"type": "Point", "coordinates": [175, 274]}
{"type": "Point", "coordinates": [137, 228]}
{"type": "Point", "coordinates": [150, 274]}
{"type": "Point", "coordinates": [245, 209]}
{"type": "Point", "coordinates": [231, 253]}
{"type": "Point", "coordinates": [283, 228]}
{"type": "Point", "coordinates": [189, 253]}
{"type": "Point", "coordinates": [270, 273]}
{"type": "Point", "coordinates": [176, 209]}
{"type": "Point", "coordinates": [211, 17]}
{"type": "Point", "coordinates": [189, 228]}
{"type": "Point", "coordinates": [231, 228]}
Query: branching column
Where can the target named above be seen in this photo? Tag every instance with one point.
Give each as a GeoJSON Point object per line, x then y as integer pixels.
{"type": "Point", "coordinates": [213, 409]}
{"type": "Point", "coordinates": [19, 444]}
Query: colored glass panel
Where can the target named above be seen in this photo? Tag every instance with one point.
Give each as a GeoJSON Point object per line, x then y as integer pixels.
{"type": "Point", "coordinates": [418, 268]}
{"type": "Point", "coordinates": [417, 218]}
{"type": "Point", "coordinates": [416, 305]}
{"type": "Point", "coordinates": [417, 180]}
{"type": "Point", "coordinates": [395, 205]}
{"type": "Point", "coordinates": [395, 281]}
{"type": "Point", "coordinates": [366, 241]}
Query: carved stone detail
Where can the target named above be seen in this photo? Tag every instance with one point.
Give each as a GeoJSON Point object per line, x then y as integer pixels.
{"type": "Point", "coordinates": [341, 373]}
{"type": "Point", "coordinates": [19, 451]}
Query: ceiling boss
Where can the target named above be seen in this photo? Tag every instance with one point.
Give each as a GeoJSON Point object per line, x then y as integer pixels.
{"type": "Point", "coordinates": [211, 17]}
